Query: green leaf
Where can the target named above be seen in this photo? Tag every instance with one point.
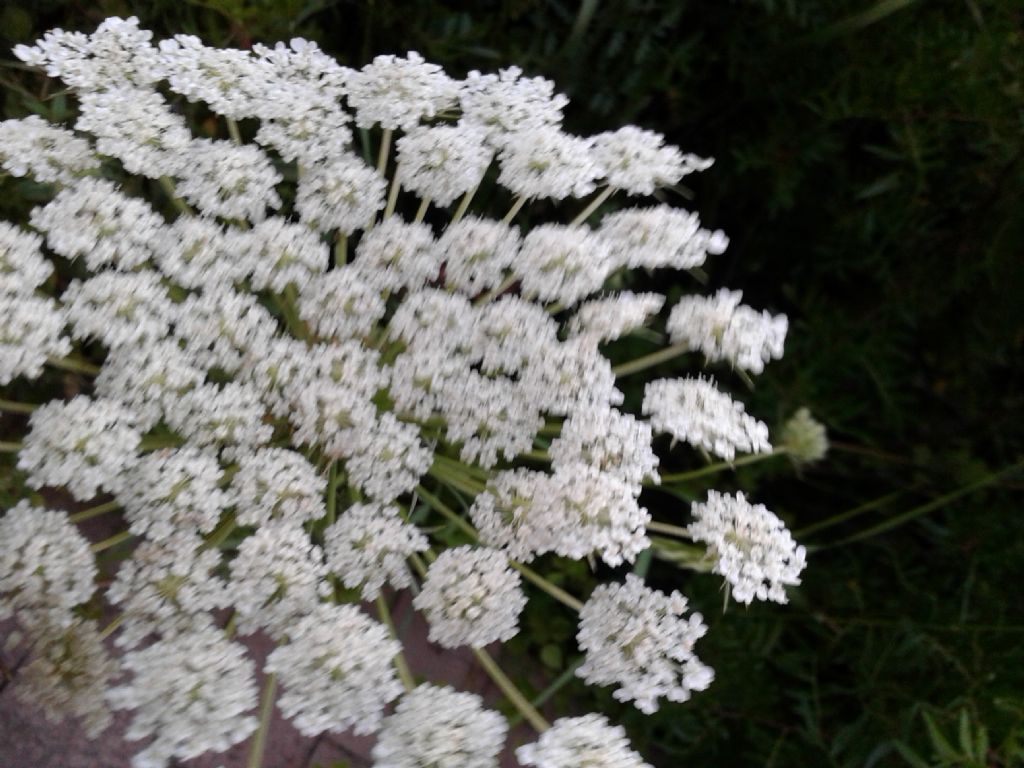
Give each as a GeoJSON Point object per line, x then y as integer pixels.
{"type": "Point", "coordinates": [880, 186]}
{"type": "Point", "coordinates": [909, 755]}
{"type": "Point", "coordinates": [964, 734]}
{"type": "Point", "coordinates": [940, 744]}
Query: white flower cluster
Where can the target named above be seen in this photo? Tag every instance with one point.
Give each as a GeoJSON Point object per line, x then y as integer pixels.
{"type": "Point", "coordinates": [291, 367]}
{"type": "Point", "coordinates": [636, 638]}
{"type": "Point", "coordinates": [435, 727]}
{"type": "Point", "coordinates": [67, 673]}
{"type": "Point", "coordinates": [581, 741]}
{"type": "Point", "coordinates": [192, 693]}
{"type": "Point", "coordinates": [751, 547]}
{"type": "Point", "coordinates": [45, 565]}
{"type": "Point", "coordinates": [576, 512]}
{"type": "Point", "coordinates": [471, 597]}
{"type": "Point", "coordinates": [369, 545]}
{"type": "Point", "coordinates": [84, 445]}
{"type": "Point", "coordinates": [723, 329]}
{"type": "Point", "coordinates": [696, 412]}
{"type": "Point", "coordinates": [336, 671]}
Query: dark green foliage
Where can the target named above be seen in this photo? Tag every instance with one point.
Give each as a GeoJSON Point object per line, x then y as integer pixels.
{"type": "Point", "coordinates": [870, 176]}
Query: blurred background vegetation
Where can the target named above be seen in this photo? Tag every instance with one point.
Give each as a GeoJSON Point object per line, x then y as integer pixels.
{"type": "Point", "coordinates": [869, 173]}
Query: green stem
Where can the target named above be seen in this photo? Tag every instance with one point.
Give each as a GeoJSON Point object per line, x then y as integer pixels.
{"type": "Point", "coordinates": [645, 362]}
{"type": "Point", "coordinates": [418, 564]}
{"type": "Point", "coordinates": [531, 575]}
{"type": "Point", "coordinates": [507, 283]}
{"type": "Point", "coordinates": [113, 541]}
{"type": "Point", "coordinates": [155, 442]}
{"type": "Point", "coordinates": [528, 711]}
{"type": "Point", "coordinates": [89, 514]}
{"type": "Point", "coordinates": [286, 303]}
{"type": "Point", "coordinates": [447, 474]}
{"type": "Point", "coordinates": [108, 630]}
{"type": "Point", "coordinates": [6, 447]}
{"type": "Point", "coordinates": [555, 591]}
{"type": "Point", "coordinates": [478, 472]}
{"type": "Point", "coordinates": [404, 673]}
{"type": "Point", "coordinates": [924, 509]}
{"type": "Point", "coordinates": [12, 407]}
{"type": "Point", "coordinates": [560, 682]}
{"type": "Point", "coordinates": [332, 492]}
{"type": "Point", "coordinates": [220, 534]}
{"type": "Point", "coordinates": [579, 27]}
{"type": "Point", "coordinates": [842, 517]}
{"type": "Point", "coordinates": [385, 148]}
{"type": "Point", "coordinates": [671, 530]}
{"type": "Point", "coordinates": [167, 184]}
{"type": "Point", "coordinates": [341, 250]}
{"type": "Point", "coordinates": [422, 210]}
{"type": "Point", "coordinates": [721, 466]}
{"type": "Point", "coordinates": [259, 739]}
{"type": "Point", "coordinates": [446, 511]}
{"type": "Point", "coordinates": [535, 455]}
{"type": "Point", "coordinates": [594, 205]}
{"type": "Point", "coordinates": [74, 365]}
{"type": "Point", "coordinates": [517, 206]}
{"type": "Point", "coordinates": [392, 197]}
{"type": "Point", "coordinates": [464, 205]}
{"type": "Point", "coordinates": [233, 131]}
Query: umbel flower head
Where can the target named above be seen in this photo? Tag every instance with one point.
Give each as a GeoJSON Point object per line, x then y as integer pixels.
{"type": "Point", "coordinates": [305, 364]}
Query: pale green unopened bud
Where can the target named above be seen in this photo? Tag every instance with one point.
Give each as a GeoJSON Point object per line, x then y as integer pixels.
{"type": "Point", "coordinates": [804, 438]}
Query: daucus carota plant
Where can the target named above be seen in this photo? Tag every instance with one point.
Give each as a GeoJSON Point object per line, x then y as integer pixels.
{"type": "Point", "coordinates": [290, 387]}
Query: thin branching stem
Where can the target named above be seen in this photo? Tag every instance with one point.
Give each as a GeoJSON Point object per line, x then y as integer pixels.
{"type": "Point", "coordinates": [404, 673]}
{"type": "Point", "coordinates": [464, 205]}
{"type": "Point", "coordinates": [113, 541]}
{"type": "Point", "coordinates": [12, 407]}
{"type": "Point", "coordinates": [259, 739]}
{"type": "Point", "coordinates": [73, 364]}
{"type": "Point", "coordinates": [594, 205]}
{"type": "Point", "coordinates": [396, 185]}
{"type": "Point", "coordinates": [332, 492]}
{"type": "Point", "coordinates": [552, 589]}
{"type": "Point", "coordinates": [531, 575]}
{"type": "Point", "coordinates": [382, 153]}
{"type": "Point", "coordinates": [108, 630]}
{"type": "Point", "coordinates": [670, 530]}
{"type": "Point", "coordinates": [422, 210]}
{"type": "Point", "coordinates": [89, 514]}
{"type": "Point", "coordinates": [528, 711]}
{"type": "Point", "coordinates": [233, 132]}
{"type": "Point", "coordinates": [167, 184]}
{"type": "Point", "coordinates": [722, 466]}
{"type": "Point", "coordinates": [647, 361]}
{"type": "Point", "coordinates": [517, 206]}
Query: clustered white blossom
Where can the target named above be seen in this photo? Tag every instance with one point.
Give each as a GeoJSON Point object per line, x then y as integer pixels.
{"type": "Point", "coordinates": [368, 546]}
{"type": "Point", "coordinates": [192, 692]}
{"type": "Point", "coordinates": [723, 329]}
{"type": "Point", "coordinates": [472, 597]}
{"type": "Point", "coordinates": [696, 412]}
{"type": "Point", "coordinates": [45, 564]}
{"type": "Point", "coordinates": [68, 671]}
{"type": "Point", "coordinates": [296, 380]}
{"type": "Point", "coordinates": [750, 546]}
{"type": "Point", "coordinates": [636, 638]}
{"type": "Point", "coordinates": [587, 740]}
{"type": "Point", "coordinates": [336, 671]}
{"type": "Point", "coordinates": [435, 727]}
